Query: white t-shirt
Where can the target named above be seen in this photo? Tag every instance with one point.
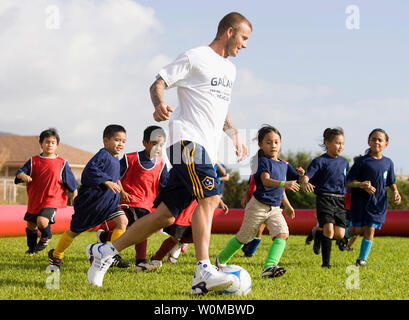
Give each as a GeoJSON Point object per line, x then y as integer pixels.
{"type": "Point", "coordinates": [204, 82]}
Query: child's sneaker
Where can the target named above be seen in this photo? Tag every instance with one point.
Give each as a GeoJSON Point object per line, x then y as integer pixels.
{"type": "Point", "coordinates": [53, 260]}
{"type": "Point", "coordinates": [171, 260]}
{"type": "Point", "coordinates": [343, 244]}
{"type": "Point", "coordinates": [99, 263]}
{"type": "Point", "coordinates": [208, 278]}
{"type": "Point", "coordinates": [101, 236]}
{"type": "Point", "coordinates": [360, 263]}
{"type": "Point", "coordinates": [273, 271]}
{"type": "Point", "coordinates": [119, 262]}
{"type": "Point", "coordinates": [147, 266]}
{"type": "Point", "coordinates": [42, 244]}
{"type": "Point", "coordinates": [31, 251]}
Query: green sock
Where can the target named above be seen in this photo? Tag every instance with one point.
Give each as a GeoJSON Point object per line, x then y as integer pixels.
{"type": "Point", "coordinates": [276, 250]}
{"type": "Point", "coordinates": [229, 251]}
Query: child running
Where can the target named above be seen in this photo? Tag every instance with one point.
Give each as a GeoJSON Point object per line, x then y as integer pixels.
{"type": "Point", "coordinates": [47, 177]}
{"type": "Point", "coordinates": [98, 195]}
{"type": "Point", "coordinates": [144, 173]}
{"type": "Point", "coordinates": [369, 176]}
{"type": "Point", "coordinates": [326, 177]}
{"type": "Point", "coordinates": [264, 206]}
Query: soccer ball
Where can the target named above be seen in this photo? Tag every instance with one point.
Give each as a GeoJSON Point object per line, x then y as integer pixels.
{"type": "Point", "coordinates": [242, 281]}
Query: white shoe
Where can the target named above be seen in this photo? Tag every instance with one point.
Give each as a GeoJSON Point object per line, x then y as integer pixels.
{"type": "Point", "coordinates": [99, 263]}
{"type": "Point", "coordinates": [208, 278]}
{"type": "Point", "coordinates": [148, 266]}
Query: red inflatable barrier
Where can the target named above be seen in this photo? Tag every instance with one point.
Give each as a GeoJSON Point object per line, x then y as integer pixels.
{"type": "Point", "coordinates": [12, 221]}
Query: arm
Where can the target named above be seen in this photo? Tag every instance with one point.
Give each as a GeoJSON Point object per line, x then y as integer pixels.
{"type": "Point", "coordinates": [22, 174]}
{"type": "Point", "coordinates": [162, 110]}
{"type": "Point", "coordinates": [289, 210]}
{"type": "Point", "coordinates": [366, 185]}
{"type": "Point", "coordinates": [397, 197]}
{"type": "Point", "coordinates": [268, 182]}
{"type": "Point", "coordinates": [224, 207]}
{"type": "Point", "coordinates": [232, 133]}
{"type": "Point", "coordinates": [306, 186]}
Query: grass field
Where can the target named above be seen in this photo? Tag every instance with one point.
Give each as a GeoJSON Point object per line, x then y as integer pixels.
{"type": "Point", "coordinates": [386, 277]}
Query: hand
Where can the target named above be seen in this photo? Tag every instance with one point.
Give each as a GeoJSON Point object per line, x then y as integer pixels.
{"type": "Point", "coordinates": [25, 177]}
{"type": "Point", "coordinates": [292, 185]}
{"type": "Point", "coordinates": [125, 196]}
{"type": "Point", "coordinates": [114, 187]}
{"type": "Point", "coordinates": [290, 212]}
{"type": "Point", "coordinates": [242, 151]}
{"type": "Point", "coordinates": [300, 171]}
{"type": "Point", "coordinates": [74, 194]}
{"type": "Point", "coordinates": [367, 186]}
{"type": "Point", "coordinates": [224, 207]}
{"type": "Point", "coordinates": [162, 112]}
{"type": "Point", "coordinates": [244, 201]}
{"type": "Point", "coordinates": [397, 199]}
{"type": "Point", "coordinates": [308, 187]}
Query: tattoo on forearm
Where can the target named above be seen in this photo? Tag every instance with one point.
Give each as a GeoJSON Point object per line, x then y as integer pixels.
{"type": "Point", "coordinates": [156, 91]}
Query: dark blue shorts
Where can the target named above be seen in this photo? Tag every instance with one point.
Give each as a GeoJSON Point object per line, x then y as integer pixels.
{"type": "Point", "coordinates": [192, 176]}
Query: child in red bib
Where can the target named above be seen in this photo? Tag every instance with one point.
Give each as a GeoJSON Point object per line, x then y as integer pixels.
{"type": "Point", "coordinates": [142, 175]}
{"type": "Point", "coordinates": [47, 177]}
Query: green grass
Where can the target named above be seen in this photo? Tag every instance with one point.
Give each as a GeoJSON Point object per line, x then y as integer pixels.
{"type": "Point", "coordinates": [386, 277]}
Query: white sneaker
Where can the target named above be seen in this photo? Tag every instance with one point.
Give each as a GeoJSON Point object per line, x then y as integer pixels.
{"type": "Point", "coordinates": [148, 266]}
{"type": "Point", "coordinates": [208, 278]}
{"type": "Point", "coordinates": [99, 263]}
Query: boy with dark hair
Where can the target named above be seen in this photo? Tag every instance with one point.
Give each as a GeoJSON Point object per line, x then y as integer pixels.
{"type": "Point", "coordinates": [98, 195]}
{"type": "Point", "coordinates": [143, 174]}
{"type": "Point", "coordinates": [47, 177]}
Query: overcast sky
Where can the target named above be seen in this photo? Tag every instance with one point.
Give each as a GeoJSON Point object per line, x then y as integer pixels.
{"type": "Point", "coordinates": [79, 65]}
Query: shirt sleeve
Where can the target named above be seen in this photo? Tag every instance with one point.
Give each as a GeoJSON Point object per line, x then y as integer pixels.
{"type": "Point", "coordinates": [68, 178]}
{"type": "Point", "coordinates": [123, 163]}
{"type": "Point", "coordinates": [263, 165]}
{"type": "Point", "coordinates": [164, 177]}
{"type": "Point", "coordinates": [95, 174]}
{"type": "Point", "coordinates": [292, 174]}
{"type": "Point", "coordinates": [390, 179]}
{"type": "Point", "coordinates": [25, 169]}
{"type": "Point", "coordinates": [313, 168]}
{"type": "Point", "coordinates": [176, 70]}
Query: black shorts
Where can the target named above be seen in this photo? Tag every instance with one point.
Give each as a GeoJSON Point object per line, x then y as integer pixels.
{"type": "Point", "coordinates": [81, 223]}
{"type": "Point", "coordinates": [133, 213]}
{"type": "Point", "coordinates": [331, 209]}
{"type": "Point", "coordinates": [48, 213]}
{"type": "Point", "coordinates": [177, 231]}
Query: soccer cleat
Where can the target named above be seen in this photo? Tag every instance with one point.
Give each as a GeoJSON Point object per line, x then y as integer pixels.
{"type": "Point", "coordinates": [171, 260]}
{"type": "Point", "coordinates": [220, 265]}
{"type": "Point", "coordinates": [208, 278]}
{"type": "Point", "coordinates": [360, 263]}
{"type": "Point", "coordinates": [309, 238]}
{"type": "Point", "coordinates": [273, 271]}
{"type": "Point", "coordinates": [31, 251]}
{"type": "Point", "coordinates": [343, 244]}
{"type": "Point", "coordinates": [119, 262]}
{"type": "Point", "coordinates": [53, 260]}
{"type": "Point", "coordinates": [147, 266]}
{"type": "Point", "coordinates": [99, 264]}
{"type": "Point", "coordinates": [41, 245]}
{"type": "Point", "coordinates": [326, 266]}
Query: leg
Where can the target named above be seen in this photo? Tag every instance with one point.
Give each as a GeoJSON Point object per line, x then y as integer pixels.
{"type": "Point", "coordinates": [366, 245]}
{"type": "Point", "coordinates": [202, 224]}
{"type": "Point", "coordinates": [326, 244]}
{"type": "Point", "coordinates": [32, 235]}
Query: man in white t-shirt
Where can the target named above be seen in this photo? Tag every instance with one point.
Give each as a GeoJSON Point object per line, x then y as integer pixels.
{"type": "Point", "coordinates": [204, 79]}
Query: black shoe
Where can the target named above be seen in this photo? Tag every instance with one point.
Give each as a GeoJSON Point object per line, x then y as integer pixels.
{"type": "Point", "coordinates": [41, 245]}
{"type": "Point", "coordinates": [273, 271]}
{"type": "Point", "coordinates": [360, 263]}
{"type": "Point", "coordinates": [343, 244]}
{"type": "Point", "coordinates": [309, 238]}
{"type": "Point", "coordinates": [119, 262]}
{"type": "Point", "coordinates": [326, 266]}
{"type": "Point", "coordinates": [31, 251]}
{"type": "Point", "coordinates": [53, 260]}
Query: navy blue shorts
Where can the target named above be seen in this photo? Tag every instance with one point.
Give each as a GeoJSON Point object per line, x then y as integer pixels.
{"type": "Point", "coordinates": [81, 222]}
{"type": "Point", "coordinates": [192, 176]}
